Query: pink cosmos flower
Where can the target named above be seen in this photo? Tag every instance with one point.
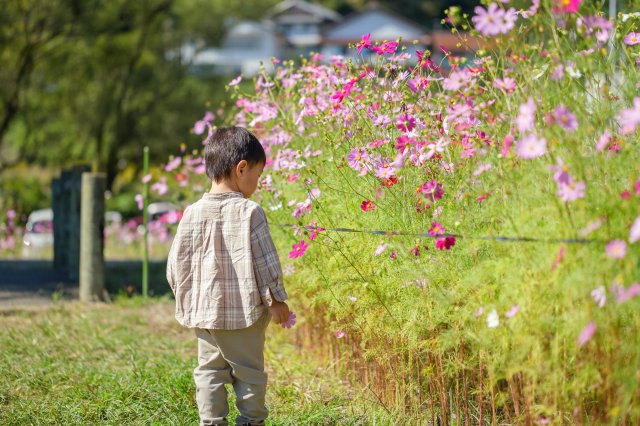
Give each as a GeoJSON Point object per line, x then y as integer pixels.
{"type": "Point", "coordinates": [630, 118]}
{"type": "Point", "coordinates": [587, 333]}
{"type": "Point", "coordinates": [458, 79]}
{"type": "Point", "coordinates": [173, 164]}
{"type": "Point", "coordinates": [591, 226]}
{"type": "Point", "coordinates": [533, 9]}
{"type": "Point", "coordinates": [406, 123]}
{"type": "Point", "coordinates": [481, 169]}
{"type": "Point", "coordinates": [557, 73]}
{"type": "Point", "coordinates": [302, 209]}
{"type": "Point", "coordinates": [385, 170]}
{"type": "Point", "coordinates": [632, 39]}
{"type": "Point", "coordinates": [367, 206]}
{"type": "Point", "coordinates": [616, 249]}
{"type": "Point", "coordinates": [483, 197]}
{"type": "Point", "coordinates": [431, 190]}
{"type": "Point", "coordinates": [531, 147]}
{"type": "Point", "coordinates": [290, 322]}
{"type": "Point", "coordinates": [634, 234]}
{"type": "Point", "coordinates": [160, 187]}
{"type": "Point", "coordinates": [506, 145]}
{"type": "Point", "coordinates": [381, 248]}
{"type": "Point", "coordinates": [507, 84]}
{"type": "Point", "coordinates": [572, 191]}
{"type": "Point", "coordinates": [526, 116]}
{"type": "Point", "coordinates": [146, 178]}
{"type": "Point", "coordinates": [298, 250]}
{"type": "Point", "coordinates": [314, 230]}
{"type": "Point", "coordinates": [629, 293]}
{"type": "Point", "coordinates": [565, 118]}
{"type": "Point", "coordinates": [559, 257]}
{"type": "Point", "coordinates": [393, 255]}
{"type": "Point", "coordinates": [493, 20]}
{"type": "Point", "coordinates": [358, 159]}
{"type": "Point", "coordinates": [436, 229]}
{"type": "Point", "coordinates": [200, 125]}
{"type": "Point", "coordinates": [445, 243]}
{"type": "Point", "coordinates": [340, 334]}
{"type": "Point", "coordinates": [235, 81]}
{"type": "Point", "coordinates": [512, 312]}
{"type": "Point", "coordinates": [561, 173]}
{"type": "Point", "coordinates": [604, 140]}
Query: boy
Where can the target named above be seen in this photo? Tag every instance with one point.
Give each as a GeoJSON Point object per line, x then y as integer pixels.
{"type": "Point", "coordinates": [224, 270]}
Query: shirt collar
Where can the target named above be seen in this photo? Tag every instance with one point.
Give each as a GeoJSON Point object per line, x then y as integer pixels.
{"type": "Point", "coordinates": [222, 195]}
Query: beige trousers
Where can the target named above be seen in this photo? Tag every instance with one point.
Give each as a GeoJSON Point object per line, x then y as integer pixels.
{"type": "Point", "coordinates": [235, 357]}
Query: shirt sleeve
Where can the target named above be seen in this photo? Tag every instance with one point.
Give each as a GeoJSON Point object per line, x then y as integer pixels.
{"type": "Point", "coordinates": [172, 258]}
{"type": "Point", "coordinates": [266, 263]}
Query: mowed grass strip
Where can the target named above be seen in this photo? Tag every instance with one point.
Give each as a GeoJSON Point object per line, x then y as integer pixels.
{"type": "Point", "coordinates": [131, 363]}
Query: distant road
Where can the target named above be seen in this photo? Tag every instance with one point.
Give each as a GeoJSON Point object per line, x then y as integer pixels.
{"type": "Point", "coordinates": [31, 283]}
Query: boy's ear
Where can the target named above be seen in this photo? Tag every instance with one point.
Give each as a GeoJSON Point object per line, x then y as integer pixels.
{"type": "Point", "coordinates": [242, 167]}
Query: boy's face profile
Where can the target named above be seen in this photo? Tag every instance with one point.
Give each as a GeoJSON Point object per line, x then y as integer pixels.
{"type": "Point", "coordinates": [247, 177]}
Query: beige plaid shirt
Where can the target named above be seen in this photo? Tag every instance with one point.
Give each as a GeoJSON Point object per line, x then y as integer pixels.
{"type": "Point", "coordinates": [223, 267]}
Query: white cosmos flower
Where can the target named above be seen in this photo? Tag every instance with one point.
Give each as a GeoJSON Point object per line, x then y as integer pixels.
{"type": "Point", "coordinates": [493, 320]}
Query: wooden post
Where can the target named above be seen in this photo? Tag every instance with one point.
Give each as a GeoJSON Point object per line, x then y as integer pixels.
{"type": "Point", "coordinates": [92, 237]}
{"type": "Point", "coordinates": [74, 189]}
{"type": "Point", "coordinates": [145, 221]}
{"type": "Point", "coordinates": [57, 204]}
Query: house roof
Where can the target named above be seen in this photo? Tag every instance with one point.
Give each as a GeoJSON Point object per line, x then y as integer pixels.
{"type": "Point", "coordinates": [382, 23]}
{"type": "Point", "coordinates": [295, 11]}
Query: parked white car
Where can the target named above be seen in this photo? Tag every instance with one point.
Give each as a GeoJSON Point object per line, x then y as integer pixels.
{"type": "Point", "coordinates": [39, 229]}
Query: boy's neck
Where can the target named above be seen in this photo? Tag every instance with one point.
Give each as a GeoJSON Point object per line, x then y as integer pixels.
{"type": "Point", "coordinates": [223, 186]}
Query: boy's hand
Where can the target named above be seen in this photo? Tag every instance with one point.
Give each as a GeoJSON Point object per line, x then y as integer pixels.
{"type": "Point", "coordinates": [279, 311]}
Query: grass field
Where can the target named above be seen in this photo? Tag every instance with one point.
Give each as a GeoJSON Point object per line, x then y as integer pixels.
{"type": "Point", "coordinates": [130, 363]}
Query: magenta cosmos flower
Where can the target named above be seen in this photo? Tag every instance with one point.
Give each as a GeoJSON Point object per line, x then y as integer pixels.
{"type": "Point", "coordinates": [431, 190]}
{"type": "Point", "coordinates": [406, 123]}
{"type": "Point", "coordinates": [531, 147]}
{"type": "Point", "coordinates": [632, 39]}
{"type": "Point", "coordinates": [567, 6]}
{"type": "Point", "coordinates": [387, 47]}
{"type": "Point", "coordinates": [445, 243]}
{"type": "Point", "coordinates": [365, 43]}
{"type": "Point", "coordinates": [298, 250]}
{"type": "Point", "coordinates": [290, 322]}
{"type": "Point", "coordinates": [436, 229]}
{"type": "Point", "coordinates": [367, 206]}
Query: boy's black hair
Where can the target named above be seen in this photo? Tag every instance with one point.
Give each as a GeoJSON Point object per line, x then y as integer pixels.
{"type": "Point", "coordinates": [226, 147]}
